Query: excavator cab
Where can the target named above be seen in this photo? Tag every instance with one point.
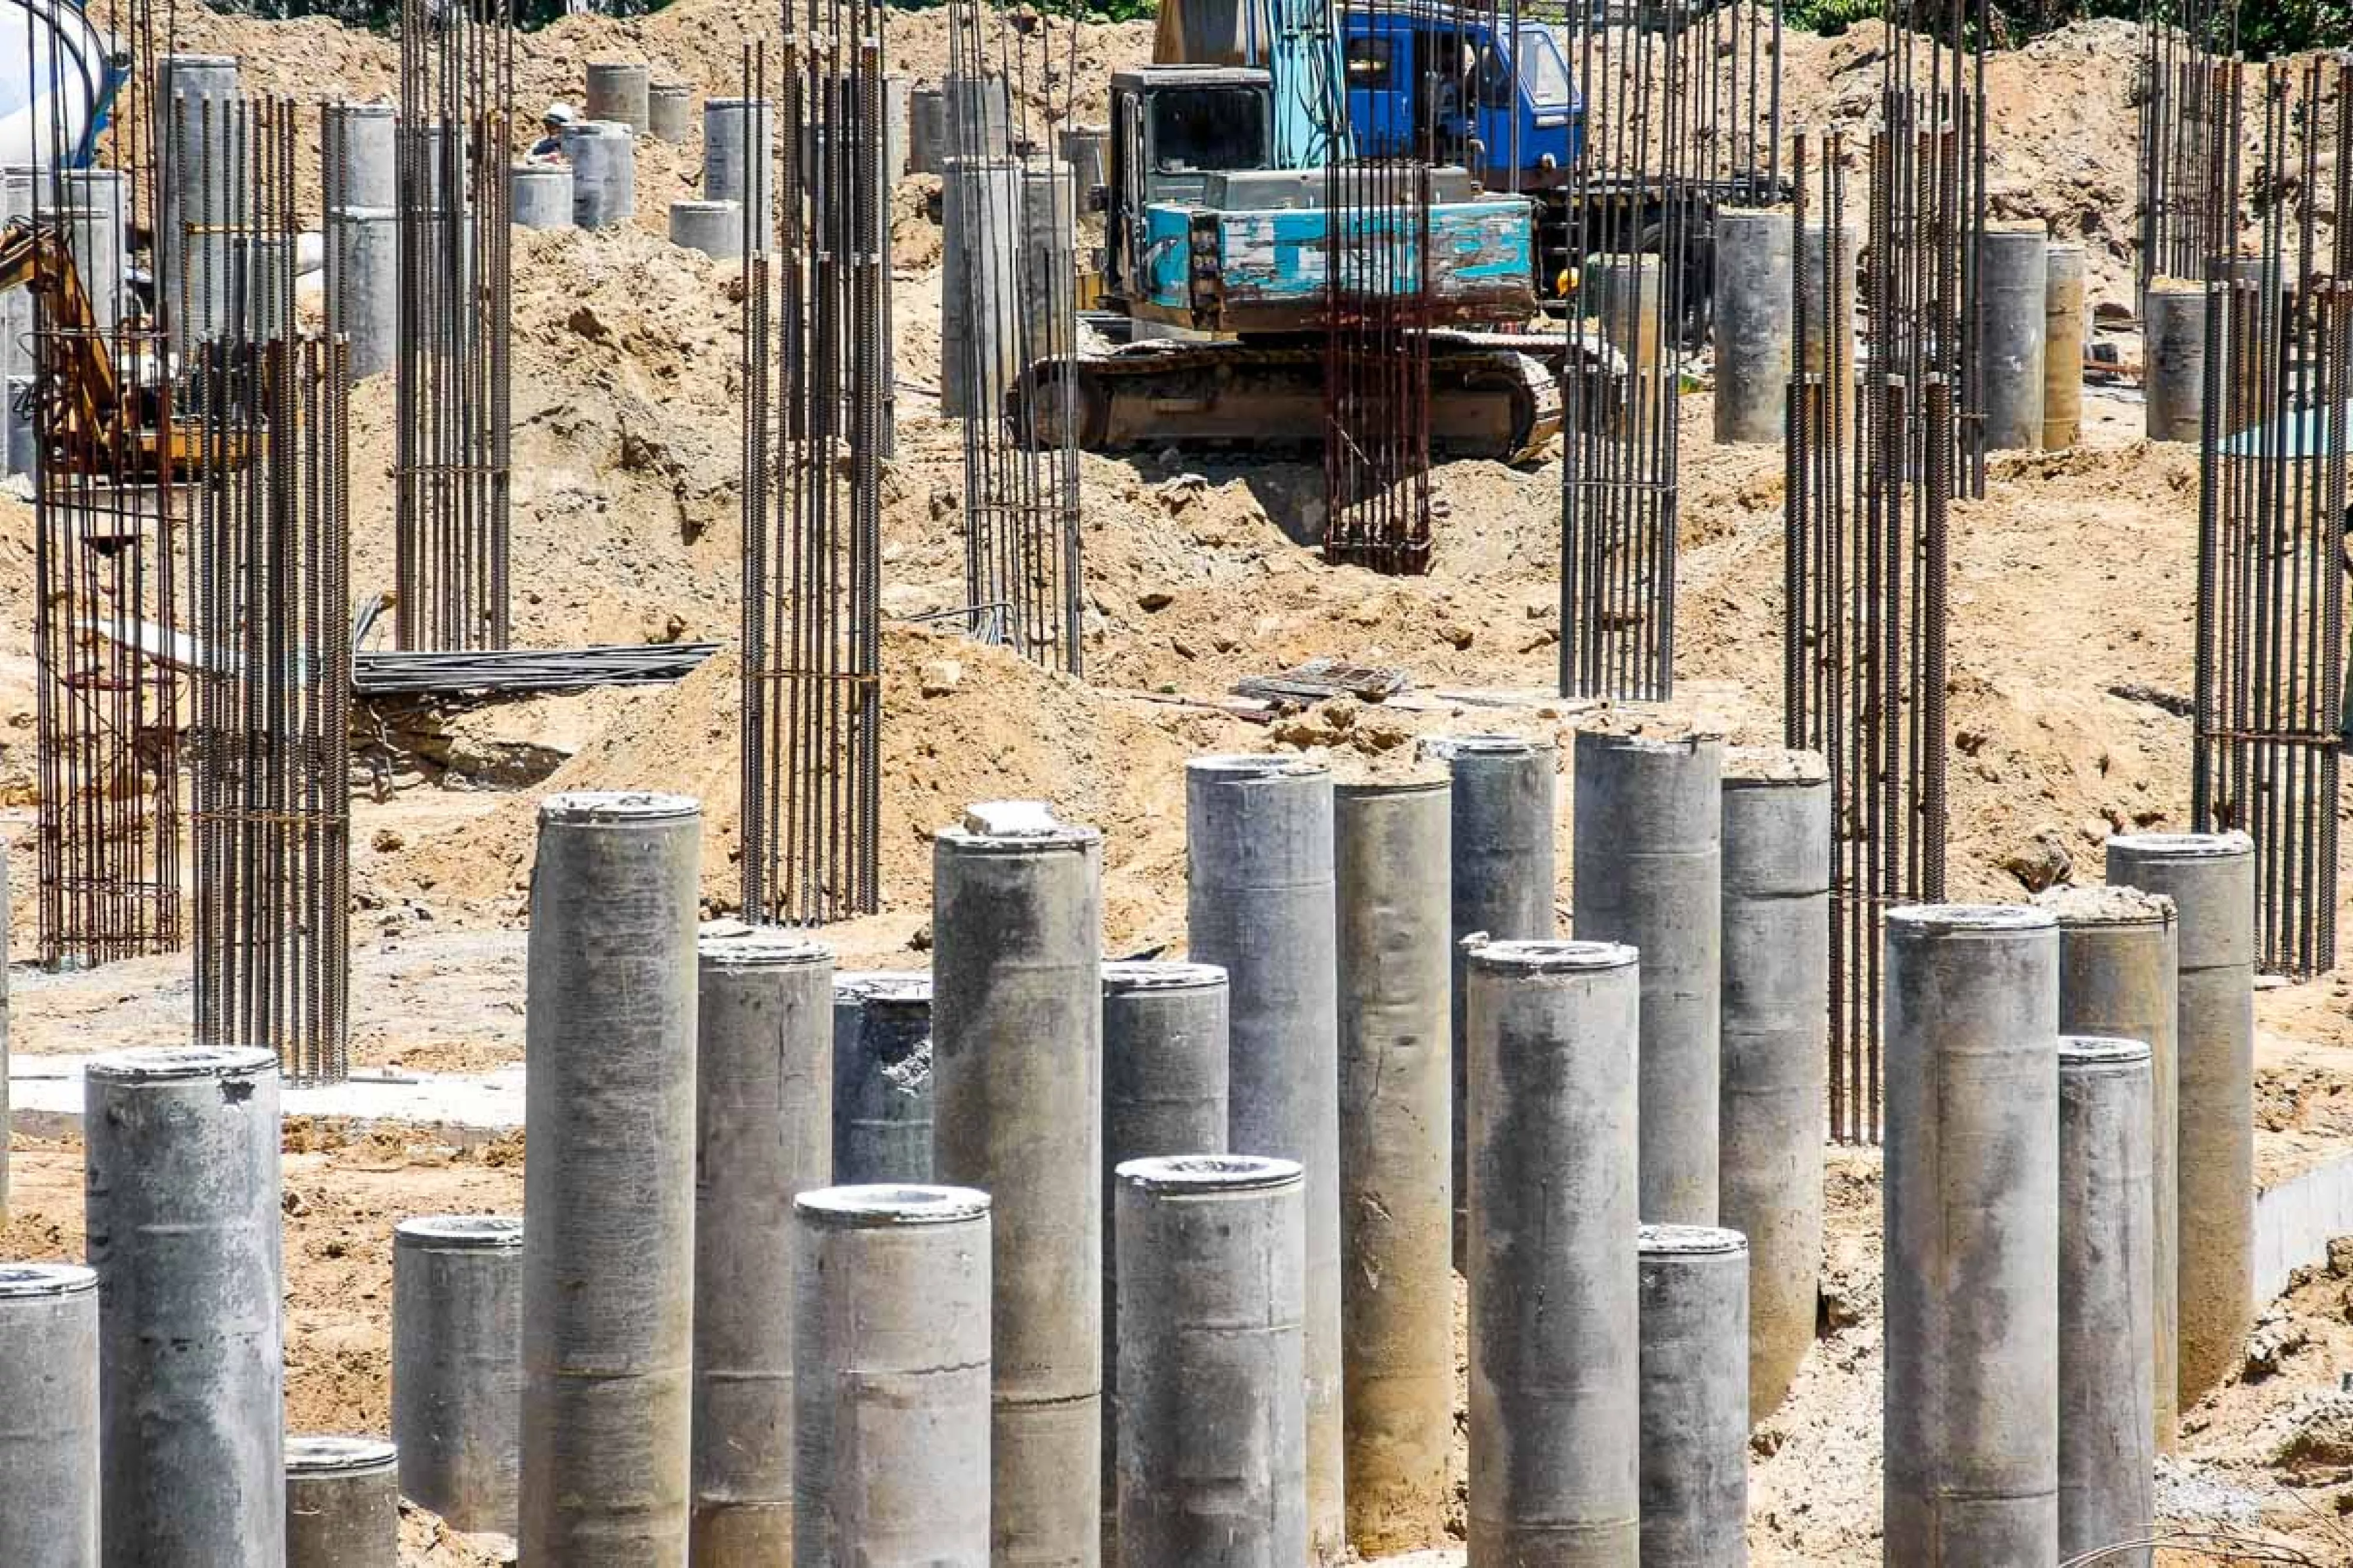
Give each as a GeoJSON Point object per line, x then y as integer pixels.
{"type": "Point", "coordinates": [1172, 129]}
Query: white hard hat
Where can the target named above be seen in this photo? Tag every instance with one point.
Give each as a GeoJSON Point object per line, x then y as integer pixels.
{"type": "Point", "coordinates": [560, 113]}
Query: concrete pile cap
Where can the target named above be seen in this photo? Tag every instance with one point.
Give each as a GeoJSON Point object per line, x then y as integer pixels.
{"type": "Point", "coordinates": [1970, 920]}
{"type": "Point", "coordinates": [372, 108]}
{"type": "Point", "coordinates": [1395, 773]}
{"type": "Point", "coordinates": [700, 204]}
{"type": "Point", "coordinates": [34, 1281]}
{"type": "Point", "coordinates": [1447, 748]}
{"type": "Point", "coordinates": [2176, 286]}
{"type": "Point", "coordinates": [1161, 974]}
{"type": "Point", "coordinates": [889, 1203]}
{"type": "Point", "coordinates": [465, 1232]}
{"type": "Point", "coordinates": [732, 944]}
{"type": "Point", "coordinates": [2184, 846]}
{"type": "Point", "coordinates": [338, 1455]}
{"type": "Point", "coordinates": [2105, 906]}
{"type": "Point", "coordinates": [1257, 765]}
{"type": "Point", "coordinates": [2100, 1050]}
{"type": "Point", "coordinates": [1773, 765]}
{"type": "Point", "coordinates": [884, 985]}
{"type": "Point", "coordinates": [364, 215]}
{"type": "Point", "coordinates": [1210, 1173]}
{"type": "Point", "coordinates": [1548, 957]}
{"type": "Point", "coordinates": [1688, 1241]}
{"type": "Point", "coordinates": [617, 807]}
{"type": "Point", "coordinates": [165, 1064]}
{"type": "Point", "coordinates": [1017, 824]}
{"type": "Point", "coordinates": [1620, 733]}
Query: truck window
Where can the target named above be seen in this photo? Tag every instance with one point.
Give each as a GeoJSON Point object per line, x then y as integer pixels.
{"type": "Point", "coordinates": [1208, 128]}
{"type": "Point", "coordinates": [1541, 71]}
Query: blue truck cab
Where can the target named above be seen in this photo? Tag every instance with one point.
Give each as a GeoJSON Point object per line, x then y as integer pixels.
{"type": "Point", "coordinates": [1498, 101]}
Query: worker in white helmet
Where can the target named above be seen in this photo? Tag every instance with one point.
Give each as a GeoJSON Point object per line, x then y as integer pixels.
{"type": "Point", "coordinates": [549, 148]}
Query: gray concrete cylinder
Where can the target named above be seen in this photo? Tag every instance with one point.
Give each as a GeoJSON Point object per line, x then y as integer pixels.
{"type": "Point", "coordinates": [1777, 948]}
{"type": "Point", "coordinates": [608, 1191]}
{"type": "Point", "coordinates": [739, 142]}
{"type": "Point", "coordinates": [1648, 871]}
{"type": "Point", "coordinates": [457, 1366]}
{"type": "Point", "coordinates": [1212, 1417]}
{"type": "Point", "coordinates": [890, 1320]}
{"type": "Point", "coordinates": [261, 287]}
{"type": "Point", "coordinates": [1826, 347]}
{"type": "Point", "coordinates": [2173, 359]}
{"type": "Point", "coordinates": [763, 1135]}
{"type": "Point", "coordinates": [23, 429]}
{"type": "Point", "coordinates": [2118, 959]}
{"type": "Point", "coordinates": [669, 111]}
{"type": "Point", "coordinates": [928, 148]}
{"type": "Point", "coordinates": [343, 1504]}
{"type": "Point", "coordinates": [363, 286]}
{"type": "Point", "coordinates": [1391, 850]}
{"type": "Point", "coordinates": [619, 90]}
{"type": "Point", "coordinates": [1260, 900]}
{"type": "Point", "coordinates": [4, 1023]}
{"type": "Point", "coordinates": [980, 287]}
{"type": "Point", "coordinates": [2107, 1445]}
{"type": "Point", "coordinates": [2012, 281]}
{"type": "Point", "coordinates": [1753, 324]}
{"type": "Point", "coordinates": [1506, 801]}
{"type": "Point", "coordinates": [360, 143]}
{"type": "Point", "coordinates": [2062, 347]}
{"type": "Point", "coordinates": [1164, 1093]}
{"type": "Point", "coordinates": [1017, 1018]}
{"type": "Point", "coordinates": [978, 118]}
{"type": "Point", "coordinates": [1555, 1393]}
{"type": "Point", "coordinates": [1087, 149]}
{"type": "Point", "coordinates": [1971, 1431]}
{"type": "Point", "coordinates": [2211, 878]}
{"type": "Point", "coordinates": [1695, 1359]}
{"type": "Point", "coordinates": [48, 1416]}
{"type": "Point", "coordinates": [1046, 268]}
{"type": "Point", "coordinates": [17, 350]}
{"type": "Point", "coordinates": [604, 155]}
{"type": "Point", "coordinates": [894, 133]}
{"type": "Point", "coordinates": [97, 249]}
{"type": "Point", "coordinates": [540, 195]}
{"type": "Point", "coordinates": [98, 237]}
{"type": "Point", "coordinates": [714, 228]}
{"type": "Point", "coordinates": [197, 107]}
{"type": "Point", "coordinates": [882, 1077]}
{"type": "Point", "coordinates": [181, 1208]}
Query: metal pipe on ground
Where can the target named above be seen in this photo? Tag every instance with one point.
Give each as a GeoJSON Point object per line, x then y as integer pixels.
{"type": "Point", "coordinates": [1393, 872]}
{"type": "Point", "coordinates": [762, 1135]}
{"type": "Point", "coordinates": [2118, 966]}
{"type": "Point", "coordinates": [714, 228]}
{"type": "Point", "coordinates": [608, 1191]}
{"type": "Point", "coordinates": [2173, 359]}
{"type": "Point", "coordinates": [1972, 1432]}
{"type": "Point", "coordinates": [1213, 1411]}
{"type": "Point", "coordinates": [48, 1416]}
{"type": "Point", "coordinates": [619, 90]}
{"type": "Point", "coordinates": [343, 1504]}
{"type": "Point", "coordinates": [2211, 878]}
{"type": "Point", "coordinates": [1694, 1362]}
{"type": "Point", "coordinates": [890, 1403]}
{"type": "Point", "coordinates": [362, 157]}
{"type": "Point", "coordinates": [2107, 1444]}
{"type": "Point", "coordinates": [456, 1366]}
{"type": "Point", "coordinates": [540, 195]}
{"type": "Point", "coordinates": [2062, 347]}
{"type": "Point", "coordinates": [1648, 872]}
{"type": "Point", "coordinates": [1260, 902]}
{"type": "Point", "coordinates": [2013, 280]}
{"type": "Point", "coordinates": [882, 1077]}
{"type": "Point", "coordinates": [1505, 803]}
{"type": "Point", "coordinates": [1776, 1041]}
{"type": "Point", "coordinates": [363, 286]}
{"type": "Point", "coordinates": [669, 111]}
{"type": "Point", "coordinates": [1165, 1041]}
{"type": "Point", "coordinates": [1016, 1020]}
{"type": "Point", "coordinates": [1754, 325]}
{"type": "Point", "coordinates": [183, 1223]}
{"type": "Point", "coordinates": [1556, 1392]}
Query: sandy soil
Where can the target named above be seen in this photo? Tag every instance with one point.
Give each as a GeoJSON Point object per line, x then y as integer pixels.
{"type": "Point", "coordinates": [2072, 579]}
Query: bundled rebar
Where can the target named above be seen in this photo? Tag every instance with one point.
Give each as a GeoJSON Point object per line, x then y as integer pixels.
{"type": "Point", "coordinates": [1378, 193]}
{"type": "Point", "coordinates": [451, 461]}
{"type": "Point", "coordinates": [816, 376]}
{"type": "Point", "coordinates": [269, 575]}
{"type": "Point", "coordinates": [2188, 147]}
{"type": "Point", "coordinates": [105, 629]}
{"type": "Point", "coordinates": [1010, 326]}
{"type": "Point", "coordinates": [1619, 474]}
{"type": "Point", "coordinates": [2269, 683]}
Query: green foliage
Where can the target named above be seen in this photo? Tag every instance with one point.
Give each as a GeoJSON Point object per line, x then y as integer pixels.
{"type": "Point", "coordinates": [2282, 27]}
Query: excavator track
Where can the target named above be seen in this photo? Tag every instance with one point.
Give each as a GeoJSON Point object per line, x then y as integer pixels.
{"type": "Point", "coordinates": [1492, 395]}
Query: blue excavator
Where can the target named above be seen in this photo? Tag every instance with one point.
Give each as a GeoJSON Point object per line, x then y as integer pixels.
{"type": "Point", "coordinates": [1218, 223]}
